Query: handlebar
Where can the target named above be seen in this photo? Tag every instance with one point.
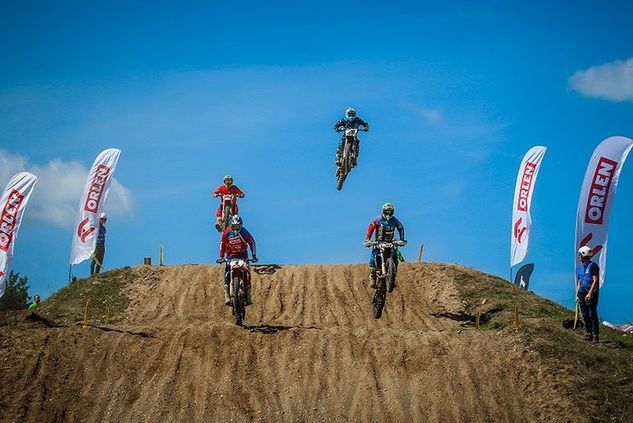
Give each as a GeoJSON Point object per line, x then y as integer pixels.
{"type": "Point", "coordinates": [399, 243]}
{"type": "Point", "coordinates": [222, 260]}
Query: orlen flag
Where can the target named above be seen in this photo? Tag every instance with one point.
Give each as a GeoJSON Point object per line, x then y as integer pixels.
{"type": "Point", "coordinates": [521, 220]}
{"type": "Point", "coordinates": [596, 198]}
{"type": "Point", "coordinates": [94, 195]}
{"type": "Point", "coordinates": [13, 203]}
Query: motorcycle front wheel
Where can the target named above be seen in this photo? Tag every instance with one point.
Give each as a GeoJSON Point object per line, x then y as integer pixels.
{"type": "Point", "coordinates": [391, 274]}
{"type": "Point", "coordinates": [239, 311]}
{"type": "Point", "coordinates": [378, 300]}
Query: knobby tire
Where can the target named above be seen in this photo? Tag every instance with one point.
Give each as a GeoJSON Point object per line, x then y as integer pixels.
{"type": "Point", "coordinates": [391, 274]}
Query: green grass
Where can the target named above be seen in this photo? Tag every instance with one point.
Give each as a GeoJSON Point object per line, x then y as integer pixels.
{"type": "Point", "coordinates": [104, 292]}
{"type": "Point", "coordinates": [602, 373]}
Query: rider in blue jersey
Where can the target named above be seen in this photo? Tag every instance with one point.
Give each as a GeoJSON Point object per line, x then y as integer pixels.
{"type": "Point", "coordinates": [349, 121]}
{"type": "Point", "coordinates": [385, 226]}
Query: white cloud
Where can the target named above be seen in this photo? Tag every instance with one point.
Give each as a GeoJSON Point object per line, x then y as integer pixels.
{"type": "Point", "coordinates": [610, 81]}
{"type": "Point", "coordinates": [59, 188]}
{"type": "Point", "coordinates": [428, 114]}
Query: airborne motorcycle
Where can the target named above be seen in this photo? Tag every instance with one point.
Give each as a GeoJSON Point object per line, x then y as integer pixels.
{"type": "Point", "coordinates": [385, 272]}
{"type": "Point", "coordinates": [228, 202]}
{"type": "Point", "coordinates": [349, 155]}
{"type": "Point", "coordinates": [239, 273]}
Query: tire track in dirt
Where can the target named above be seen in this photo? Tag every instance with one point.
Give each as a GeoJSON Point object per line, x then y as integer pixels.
{"type": "Point", "coordinates": [311, 352]}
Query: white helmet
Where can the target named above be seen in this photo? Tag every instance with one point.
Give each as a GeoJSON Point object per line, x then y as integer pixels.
{"type": "Point", "coordinates": [585, 251]}
{"type": "Point", "coordinates": [103, 216]}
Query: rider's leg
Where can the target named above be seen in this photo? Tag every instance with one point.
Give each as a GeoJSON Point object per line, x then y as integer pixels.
{"type": "Point", "coordinates": [372, 270]}
{"type": "Point", "coordinates": [356, 150]}
{"type": "Point", "coordinates": [339, 152]}
{"type": "Point", "coordinates": [227, 292]}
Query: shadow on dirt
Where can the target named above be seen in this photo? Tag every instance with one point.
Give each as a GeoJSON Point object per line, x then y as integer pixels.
{"type": "Point", "coordinates": [272, 329]}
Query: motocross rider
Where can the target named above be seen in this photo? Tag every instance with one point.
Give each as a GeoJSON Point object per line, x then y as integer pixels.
{"type": "Point", "coordinates": [349, 121]}
{"type": "Point", "coordinates": [225, 189]}
{"type": "Point", "coordinates": [385, 225]}
{"type": "Point", "coordinates": [234, 244]}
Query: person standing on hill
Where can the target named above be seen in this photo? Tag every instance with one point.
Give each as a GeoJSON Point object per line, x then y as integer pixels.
{"type": "Point", "coordinates": [99, 252]}
{"type": "Point", "coordinates": [225, 189]}
{"type": "Point", "coordinates": [385, 226]}
{"type": "Point", "coordinates": [587, 290]}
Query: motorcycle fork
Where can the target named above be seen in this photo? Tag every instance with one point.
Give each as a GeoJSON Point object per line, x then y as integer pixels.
{"type": "Point", "coordinates": [383, 273]}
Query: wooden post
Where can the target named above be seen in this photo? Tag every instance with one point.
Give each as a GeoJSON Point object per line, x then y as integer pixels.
{"type": "Point", "coordinates": [87, 313]}
{"type": "Point", "coordinates": [421, 252]}
{"type": "Point", "coordinates": [160, 255]}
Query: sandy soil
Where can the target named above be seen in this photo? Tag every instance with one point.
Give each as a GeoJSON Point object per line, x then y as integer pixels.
{"type": "Point", "coordinates": [311, 352]}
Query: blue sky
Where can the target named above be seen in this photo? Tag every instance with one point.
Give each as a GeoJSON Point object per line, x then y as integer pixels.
{"type": "Point", "coordinates": [455, 94]}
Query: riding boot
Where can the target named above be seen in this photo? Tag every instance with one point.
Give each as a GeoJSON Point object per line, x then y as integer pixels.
{"type": "Point", "coordinates": [248, 299]}
{"type": "Point", "coordinates": [218, 224]}
{"type": "Point", "coordinates": [227, 295]}
{"type": "Point", "coordinates": [372, 278]}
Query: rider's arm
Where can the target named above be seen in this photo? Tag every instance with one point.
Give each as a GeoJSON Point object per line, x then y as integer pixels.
{"type": "Point", "coordinates": [370, 229]}
{"type": "Point", "coordinates": [363, 123]}
{"type": "Point", "coordinates": [238, 192]}
{"type": "Point", "coordinates": [338, 126]}
{"type": "Point", "coordinates": [250, 241]}
{"type": "Point", "coordinates": [400, 229]}
{"type": "Point", "coordinates": [217, 191]}
{"type": "Point", "coordinates": [223, 244]}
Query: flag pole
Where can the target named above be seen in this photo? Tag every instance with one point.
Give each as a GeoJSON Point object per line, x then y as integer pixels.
{"type": "Point", "coordinates": [70, 270]}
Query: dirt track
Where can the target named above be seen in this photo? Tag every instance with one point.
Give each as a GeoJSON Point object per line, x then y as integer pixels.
{"type": "Point", "coordinates": [312, 352]}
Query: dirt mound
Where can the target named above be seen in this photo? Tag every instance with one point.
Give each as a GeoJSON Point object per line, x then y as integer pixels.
{"type": "Point", "coordinates": [311, 352]}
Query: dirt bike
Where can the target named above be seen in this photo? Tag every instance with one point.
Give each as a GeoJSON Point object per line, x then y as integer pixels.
{"type": "Point", "coordinates": [385, 272]}
{"type": "Point", "coordinates": [228, 201]}
{"type": "Point", "coordinates": [348, 156]}
{"type": "Point", "coordinates": [238, 273]}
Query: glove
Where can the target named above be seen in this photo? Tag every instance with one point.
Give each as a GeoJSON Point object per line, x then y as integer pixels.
{"type": "Point", "coordinates": [220, 260]}
{"type": "Point", "coordinates": [366, 243]}
{"type": "Point", "coordinates": [254, 259]}
{"type": "Point", "coordinates": [241, 195]}
{"type": "Point", "coordinates": [215, 195]}
{"type": "Point", "coordinates": [404, 241]}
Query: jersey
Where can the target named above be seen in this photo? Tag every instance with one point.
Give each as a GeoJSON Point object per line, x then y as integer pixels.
{"type": "Point", "coordinates": [224, 190]}
{"type": "Point", "coordinates": [101, 236]}
{"type": "Point", "coordinates": [346, 123]}
{"type": "Point", "coordinates": [385, 229]}
{"type": "Point", "coordinates": [235, 244]}
{"type": "Point", "coordinates": [585, 275]}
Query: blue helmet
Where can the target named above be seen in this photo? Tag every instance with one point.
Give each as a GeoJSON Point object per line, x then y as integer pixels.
{"type": "Point", "coordinates": [350, 113]}
{"type": "Point", "coordinates": [235, 222]}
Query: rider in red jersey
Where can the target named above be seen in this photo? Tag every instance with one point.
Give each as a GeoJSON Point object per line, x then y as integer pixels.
{"type": "Point", "coordinates": [225, 189]}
